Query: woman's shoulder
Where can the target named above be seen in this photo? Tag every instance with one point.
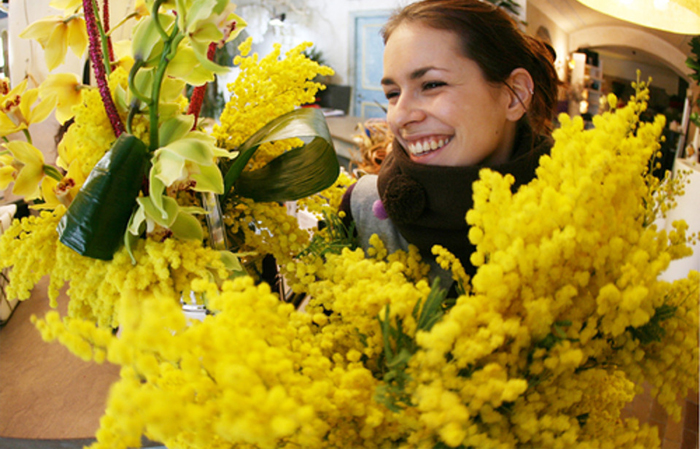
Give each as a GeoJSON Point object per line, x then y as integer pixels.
{"type": "Point", "coordinates": [366, 210]}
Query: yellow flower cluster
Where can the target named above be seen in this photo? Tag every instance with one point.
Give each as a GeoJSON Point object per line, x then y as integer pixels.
{"type": "Point", "coordinates": [264, 228]}
{"type": "Point", "coordinates": [567, 287]}
{"type": "Point", "coordinates": [91, 134]}
{"type": "Point", "coordinates": [229, 379]}
{"type": "Point", "coordinates": [31, 247]}
{"type": "Point", "coordinates": [266, 89]}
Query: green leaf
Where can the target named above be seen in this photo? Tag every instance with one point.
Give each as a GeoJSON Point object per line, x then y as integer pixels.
{"type": "Point", "coordinates": [292, 175]}
{"type": "Point", "coordinates": [96, 220]}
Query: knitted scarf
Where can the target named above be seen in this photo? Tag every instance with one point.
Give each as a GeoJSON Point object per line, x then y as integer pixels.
{"type": "Point", "coordinates": [428, 204]}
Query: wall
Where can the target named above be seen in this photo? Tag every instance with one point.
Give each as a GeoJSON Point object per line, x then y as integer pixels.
{"type": "Point", "coordinates": [328, 25]}
{"type": "Point", "coordinates": [662, 77]}
{"type": "Point", "coordinates": [560, 40]}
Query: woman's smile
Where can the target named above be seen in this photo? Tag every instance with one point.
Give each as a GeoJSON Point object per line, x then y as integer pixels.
{"type": "Point", "coordinates": [424, 146]}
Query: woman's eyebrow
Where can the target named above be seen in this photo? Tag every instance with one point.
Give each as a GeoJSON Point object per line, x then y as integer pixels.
{"type": "Point", "coordinates": [416, 74]}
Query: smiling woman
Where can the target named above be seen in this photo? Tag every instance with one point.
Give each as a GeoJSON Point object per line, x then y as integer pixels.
{"type": "Point", "coordinates": [466, 90]}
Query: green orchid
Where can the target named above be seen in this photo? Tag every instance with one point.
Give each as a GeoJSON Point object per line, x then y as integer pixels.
{"type": "Point", "coordinates": [147, 41]}
{"type": "Point", "coordinates": [187, 160]}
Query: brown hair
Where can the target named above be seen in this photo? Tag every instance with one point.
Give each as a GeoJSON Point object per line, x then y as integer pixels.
{"type": "Point", "coordinates": [491, 38]}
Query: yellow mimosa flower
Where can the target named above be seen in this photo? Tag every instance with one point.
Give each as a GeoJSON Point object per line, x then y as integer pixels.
{"type": "Point", "coordinates": [16, 108]}
{"type": "Point", "coordinates": [66, 88]}
{"type": "Point", "coordinates": [55, 34]}
{"type": "Point", "coordinates": [30, 162]}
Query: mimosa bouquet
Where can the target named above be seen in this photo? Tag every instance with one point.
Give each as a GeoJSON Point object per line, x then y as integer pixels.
{"type": "Point", "coordinates": [564, 321]}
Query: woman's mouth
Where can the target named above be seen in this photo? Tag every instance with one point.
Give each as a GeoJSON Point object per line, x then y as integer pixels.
{"type": "Point", "coordinates": [424, 146]}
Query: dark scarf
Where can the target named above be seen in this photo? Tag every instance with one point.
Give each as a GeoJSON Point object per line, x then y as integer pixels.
{"type": "Point", "coordinates": [428, 204]}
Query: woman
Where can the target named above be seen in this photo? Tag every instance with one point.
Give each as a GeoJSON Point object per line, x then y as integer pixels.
{"type": "Point", "coordinates": [466, 90]}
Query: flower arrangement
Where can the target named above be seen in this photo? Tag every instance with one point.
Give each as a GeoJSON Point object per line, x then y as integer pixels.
{"type": "Point", "coordinates": [135, 172]}
{"type": "Point", "coordinates": [564, 320]}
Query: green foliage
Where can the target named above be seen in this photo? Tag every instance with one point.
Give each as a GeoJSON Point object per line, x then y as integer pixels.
{"type": "Point", "coordinates": [652, 331]}
{"type": "Point", "coordinates": [336, 237]}
{"type": "Point", "coordinates": [399, 347]}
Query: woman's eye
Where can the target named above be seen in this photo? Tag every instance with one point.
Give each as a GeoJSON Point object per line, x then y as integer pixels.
{"type": "Point", "coordinates": [433, 85]}
{"type": "Point", "coordinates": [391, 94]}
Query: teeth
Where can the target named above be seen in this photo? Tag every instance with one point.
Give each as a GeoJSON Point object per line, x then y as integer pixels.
{"type": "Point", "coordinates": [419, 148]}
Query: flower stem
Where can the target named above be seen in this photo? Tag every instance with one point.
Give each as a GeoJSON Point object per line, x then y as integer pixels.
{"type": "Point", "coordinates": [108, 33]}
{"type": "Point", "coordinates": [170, 43]}
{"type": "Point", "coordinates": [27, 135]}
{"type": "Point", "coordinates": [52, 172]}
{"type": "Point", "coordinates": [103, 38]}
{"type": "Point", "coordinates": [99, 67]}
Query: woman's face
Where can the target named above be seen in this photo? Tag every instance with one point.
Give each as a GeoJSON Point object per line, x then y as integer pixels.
{"type": "Point", "coordinates": [441, 108]}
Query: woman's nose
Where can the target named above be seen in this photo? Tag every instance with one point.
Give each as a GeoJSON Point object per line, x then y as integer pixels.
{"type": "Point", "coordinates": [405, 111]}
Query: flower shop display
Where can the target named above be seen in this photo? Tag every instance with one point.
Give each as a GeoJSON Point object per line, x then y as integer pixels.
{"type": "Point", "coordinates": [563, 322]}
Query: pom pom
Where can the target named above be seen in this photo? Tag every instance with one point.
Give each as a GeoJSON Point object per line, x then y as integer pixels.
{"type": "Point", "coordinates": [379, 211]}
{"type": "Point", "coordinates": [404, 199]}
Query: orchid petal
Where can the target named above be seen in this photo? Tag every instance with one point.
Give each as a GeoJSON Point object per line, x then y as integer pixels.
{"type": "Point", "coordinates": [65, 87]}
{"type": "Point", "coordinates": [146, 40]}
{"type": "Point", "coordinates": [26, 153]}
{"type": "Point", "coordinates": [42, 29]}
{"type": "Point", "coordinates": [209, 179]}
{"type": "Point", "coordinates": [167, 216]}
{"type": "Point", "coordinates": [77, 36]}
{"type": "Point", "coordinates": [175, 129]}
{"type": "Point", "coordinates": [7, 176]}
{"type": "Point", "coordinates": [49, 194]}
{"type": "Point", "coordinates": [171, 168]}
{"type": "Point", "coordinates": [194, 148]}
{"type": "Point", "coordinates": [56, 47]}
{"type": "Point", "coordinates": [66, 4]}
{"type": "Point", "coordinates": [187, 227]}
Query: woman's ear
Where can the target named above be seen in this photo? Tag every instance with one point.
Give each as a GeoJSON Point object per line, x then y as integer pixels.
{"type": "Point", "coordinates": [522, 89]}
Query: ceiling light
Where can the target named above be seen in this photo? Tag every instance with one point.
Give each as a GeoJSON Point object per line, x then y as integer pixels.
{"type": "Point", "coordinates": [675, 16]}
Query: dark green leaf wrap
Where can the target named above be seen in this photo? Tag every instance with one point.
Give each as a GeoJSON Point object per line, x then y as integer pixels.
{"type": "Point", "coordinates": [295, 174]}
{"type": "Point", "coordinates": [96, 220]}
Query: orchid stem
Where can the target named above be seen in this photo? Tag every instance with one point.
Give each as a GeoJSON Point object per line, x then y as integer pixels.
{"type": "Point", "coordinates": [52, 172]}
{"type": "Point", "coordinates": [27, 135]}
{"type": "Point", "coordinates": [156, 20]}
{"type": "Point", "coordinates": [170, 43]}
{"type": "Point", "coordinates": [138, 63]}
{"type": "Point", "coordinates": [103, 39]}
{"type": "Point", "coordinates": [121, 22]}
{"type": "Point", "coordinates": [133, 109]}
